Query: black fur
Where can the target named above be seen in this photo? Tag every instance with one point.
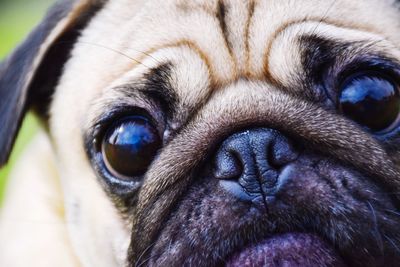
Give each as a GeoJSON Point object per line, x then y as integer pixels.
{"type": "Point", "coordinates": [19, 91]}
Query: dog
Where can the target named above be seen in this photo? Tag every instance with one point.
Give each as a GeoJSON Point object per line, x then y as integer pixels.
{"type": "Point", "coordinates": [205, 133]}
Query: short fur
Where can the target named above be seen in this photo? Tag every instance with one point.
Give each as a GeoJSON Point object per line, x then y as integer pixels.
{"type": "Point", "coordinates": [204, 70]}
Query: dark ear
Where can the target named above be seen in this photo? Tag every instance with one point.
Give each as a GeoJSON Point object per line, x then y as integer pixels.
{"type": "Point", "coordinates": [29, 75]}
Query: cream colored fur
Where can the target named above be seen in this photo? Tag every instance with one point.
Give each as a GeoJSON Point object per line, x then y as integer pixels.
{"type": "Point", "coordinates": [33, 219]}
{"type": "Point", "coordinates": [56, 213]}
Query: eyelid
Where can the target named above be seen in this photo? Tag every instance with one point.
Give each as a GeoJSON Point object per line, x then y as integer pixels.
{"type": "Point", "coordinates": [114, 112]}
{"type": "Point", "coordinates": [382, 68]}
{"type": "Point", "coordinates": [93, 141]}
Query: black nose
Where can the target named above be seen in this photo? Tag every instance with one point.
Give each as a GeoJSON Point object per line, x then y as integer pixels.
{"type": "Point", "coordinates": [249, 163]}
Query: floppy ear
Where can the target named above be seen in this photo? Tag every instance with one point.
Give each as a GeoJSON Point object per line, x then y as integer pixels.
{"type": "Point", "coordinates": [29, 75]}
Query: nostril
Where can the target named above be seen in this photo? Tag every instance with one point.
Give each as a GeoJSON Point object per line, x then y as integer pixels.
{"type": "Point", "coordinates": [251, 152]}
{"type": "Point", "coordinates": [228, 166]}
{"type": "Point", "coordinates": [249, 163]}
{"type": "Point", "coordinates": [281, 152]}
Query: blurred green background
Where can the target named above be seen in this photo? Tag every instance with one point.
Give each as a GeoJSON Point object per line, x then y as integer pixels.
{"type": "Point", "coordinates": [17, 18]}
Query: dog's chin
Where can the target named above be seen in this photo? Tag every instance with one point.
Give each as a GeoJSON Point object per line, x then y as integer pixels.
{"type": "Point", "coordinates": [322, 213]}
{"type": "Point", "coordinates": [292, 249]}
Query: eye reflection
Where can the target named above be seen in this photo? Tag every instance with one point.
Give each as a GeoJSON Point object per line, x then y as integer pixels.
{"type": "Point", "coordinates": [370, 100]}
{"type": "Point", "coordinates": [129, 146]}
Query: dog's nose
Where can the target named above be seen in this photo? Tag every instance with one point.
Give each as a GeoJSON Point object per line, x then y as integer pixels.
{"type": "Point", "coordinates": [248, 163]}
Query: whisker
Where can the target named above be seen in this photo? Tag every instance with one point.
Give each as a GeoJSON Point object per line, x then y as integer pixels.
{"type": "Point", "coordinates": [389, 193]}
{"type": "Point", "coordinates": [144, 53]}
{"type": "Point", "coordinates": [143, 253]}
{"type": "Point", "coordinates": [393, 243]}
{"type": "Point", "coordinates": [151, 256]}
{"type": "Point", "coordinates": [113, 50]}
{"type": "Point", "coordinates": [324, 17]}
{"type": "Point", "coordinates": [393, 212]}
{"type": "Point", "coordinates": [148, 259]}
{"type": "Point", "coordinates": [378, 235]}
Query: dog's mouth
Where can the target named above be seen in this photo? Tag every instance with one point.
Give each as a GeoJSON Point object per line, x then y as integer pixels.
{"type": "Point", "coordinates": [323, 214]}
{"type": "Point", "coordinates": [292, 249]}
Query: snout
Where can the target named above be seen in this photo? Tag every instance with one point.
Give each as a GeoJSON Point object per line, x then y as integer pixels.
{"type": "Point", "coordinates": [265, 186]}
{"type": "Point", "coordinates": [249, 166]}
{"type": "Point", "coordinates": [265, 199]}
{"type": "Point", "coordinates": [249, 163]}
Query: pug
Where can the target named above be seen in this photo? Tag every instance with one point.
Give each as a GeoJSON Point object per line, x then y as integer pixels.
{"type": "Point", "coordinates": [205, 133]}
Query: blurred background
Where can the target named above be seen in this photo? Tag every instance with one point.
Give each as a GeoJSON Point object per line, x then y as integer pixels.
{"type": "Point", "coordinates": [17, 18]}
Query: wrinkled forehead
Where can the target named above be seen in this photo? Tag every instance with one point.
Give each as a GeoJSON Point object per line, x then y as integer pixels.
{"type": "Point", "coordinates": [235, 38]}
{"type": "Point", "coordinates": [217, 42]}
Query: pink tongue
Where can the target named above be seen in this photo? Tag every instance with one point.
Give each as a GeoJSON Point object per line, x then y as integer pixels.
{"type": "Point", "coordinates": [293, 249]}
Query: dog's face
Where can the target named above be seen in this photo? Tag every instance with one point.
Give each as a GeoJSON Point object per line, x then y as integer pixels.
{"type": "Point", "coordinates": [207, 133]}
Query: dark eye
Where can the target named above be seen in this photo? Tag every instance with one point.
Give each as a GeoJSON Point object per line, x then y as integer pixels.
{"type": "Point", "coordinates": [129, 146]}
{"type": "Point", "coordinates": [372, 100]}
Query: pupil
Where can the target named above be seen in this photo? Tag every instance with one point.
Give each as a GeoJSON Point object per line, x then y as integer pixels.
{"type": "Point", "coordinates": [370, 101]}
{"type": "Point", "coordinates": [130, 146]}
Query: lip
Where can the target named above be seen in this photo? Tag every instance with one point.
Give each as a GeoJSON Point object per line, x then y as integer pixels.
{"type": "Point", "coordinates": [291, 249]}
{"type": "Point", "coordinates": [211, 227]}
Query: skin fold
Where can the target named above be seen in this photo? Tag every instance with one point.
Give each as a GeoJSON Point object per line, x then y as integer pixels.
{"type": "Point", "coordinates": [207, 73]}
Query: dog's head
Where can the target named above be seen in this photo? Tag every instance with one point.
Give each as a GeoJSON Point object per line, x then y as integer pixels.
{"type": "Point", "coordinates": [203, 133]}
